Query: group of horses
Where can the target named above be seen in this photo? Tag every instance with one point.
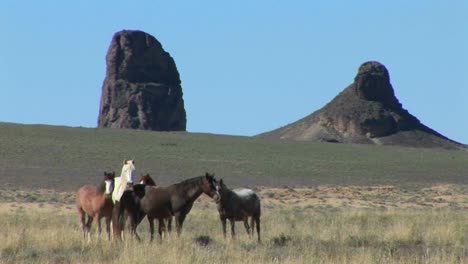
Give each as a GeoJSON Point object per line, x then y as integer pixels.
{"type": "Point", "coordinates": [145, 199]}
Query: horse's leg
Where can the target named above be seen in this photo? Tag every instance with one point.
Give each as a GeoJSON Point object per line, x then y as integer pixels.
{"type": "Point", "coordinates": [82, 221]}
{"type": "Point", "coordinates": [88, 227]}
{"type": "Point", "coordinates": [98, 220]}
{"type": "Point", "coordinates": [180, 217]}
{"type": "Point", "coordinates": [223, 222]}
{"type": "Point", "coordinates": [123, 223]}
{"type": "Point", "coordinates": [161, 227]}
{"type": "Point", "coordinates": [246, 225]}
{"type": "Point", "coordinates": [233, 232]}
{"type": "Point", "coordinates": [115, 221]}
{"type": "Point", "coordinates": [107, 220]}
{"type": "Point", "coordinates": [151, 224]}
{"type": "Point", "coordinates": [169, 224]}
{"type": "Point", "coordinates": [134, 221]}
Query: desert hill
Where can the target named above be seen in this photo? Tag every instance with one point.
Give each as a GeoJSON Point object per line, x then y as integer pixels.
{"type": "Point", "coordinates": [366, 112]}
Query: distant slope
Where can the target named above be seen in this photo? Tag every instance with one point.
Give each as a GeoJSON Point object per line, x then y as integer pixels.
{"type": "Point", "coordinates": [63, 158]}
{"type": "Point", "coordinates": [366, 112]}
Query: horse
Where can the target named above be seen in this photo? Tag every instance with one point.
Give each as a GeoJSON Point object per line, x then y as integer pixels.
{"type": "Point", "coordinates": [129, 206]}
{"type": "Point", "coordinates": [96, 202]}
{"type": "Point", "coordinates": [164, 202]}
{"type": "Point", "coordinates": [239, 205]}
{"type": "Point", "coordinates": [147, 180]}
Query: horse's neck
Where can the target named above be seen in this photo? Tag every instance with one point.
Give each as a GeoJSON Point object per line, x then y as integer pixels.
{"type": "Point", "coordinates": [227, 195]}
{"type": "Point", "coordinates": [101, 188]}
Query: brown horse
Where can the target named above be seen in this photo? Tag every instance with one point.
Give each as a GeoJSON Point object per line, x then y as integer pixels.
{"type": "Point", "coordinates": [239, 205]}
{"type": "Point", "coordinates": [96, 202]}
{"type": "Point", "coordinates": [164, 202]}
{"type": "Point", "coordinates": [129, 207]}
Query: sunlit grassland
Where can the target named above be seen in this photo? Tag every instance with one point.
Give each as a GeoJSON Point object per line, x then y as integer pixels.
{"type": "Point", "coordinates": [289, 235]}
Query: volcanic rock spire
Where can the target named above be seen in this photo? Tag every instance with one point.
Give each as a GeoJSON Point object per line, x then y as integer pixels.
{"type": "Point", "coordinates": [142, 88]}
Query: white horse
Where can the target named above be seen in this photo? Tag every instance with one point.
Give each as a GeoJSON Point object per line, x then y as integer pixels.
{"type": "Point", "coordinates": [126, 178]}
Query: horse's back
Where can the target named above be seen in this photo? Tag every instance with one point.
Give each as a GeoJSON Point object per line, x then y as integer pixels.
{"type": "Point", "coordinates": [85, 192]}
{"type": "Point", "coordinates": [157, 201]}
{"type": "Point", "coordinates": [87, 200]}
{"type": "Point", "coordinates": [84, 197]}
{"type": "Point", "coordinates": [249, 200]}
{"type": "Point", "coordinates": [247, 195]}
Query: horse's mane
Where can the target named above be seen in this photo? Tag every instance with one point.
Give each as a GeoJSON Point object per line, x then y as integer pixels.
{"type": "Point", "coordinates": [188, 182]}
{"type": "Point", "coordinates": [226, 189]}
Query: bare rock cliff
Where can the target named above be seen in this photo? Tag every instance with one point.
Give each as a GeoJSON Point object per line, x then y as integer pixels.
{"type": "Point", "coordinates": [142, 88]}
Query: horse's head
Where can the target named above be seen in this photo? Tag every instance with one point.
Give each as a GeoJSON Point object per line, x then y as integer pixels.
{"type": "Point", "coordinates": [221, 187]}
{"type": "Point", "coordinates": [127, 170]}
{"type": "Point", "coordinates": [109, 182]}
{"type": "Point", "coordinates": [147, 180]}
{"type": "Point", "coordinates": [210, 186]}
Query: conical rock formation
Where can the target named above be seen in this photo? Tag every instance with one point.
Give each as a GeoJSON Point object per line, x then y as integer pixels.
{"type": "Point", "coordinates": [367, 111]}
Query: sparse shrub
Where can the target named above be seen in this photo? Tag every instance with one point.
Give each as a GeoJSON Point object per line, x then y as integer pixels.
{"type": "Point", "coordinates": [361, 241]}
{"type": "Point", "coordinates": [203, 240]}
{"type": "Point", "coordinates": [281, 240]}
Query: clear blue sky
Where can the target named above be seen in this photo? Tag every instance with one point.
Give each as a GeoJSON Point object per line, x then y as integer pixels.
{"type": "Point", "coordinates": [246, 66]}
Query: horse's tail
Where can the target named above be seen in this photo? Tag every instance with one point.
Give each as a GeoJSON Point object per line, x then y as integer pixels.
{"type": "Point", "coordinates": [256, 217]}
{"type": "Point", "coordinates": [257, 206]}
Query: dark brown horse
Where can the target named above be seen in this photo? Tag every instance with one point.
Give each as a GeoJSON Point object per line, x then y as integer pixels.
{"type": "Point", "coordinates": [164, 202]}
{"type": "Point", "coordinates": [239, 205]}
{"type": "Point", "coordinates": [147, 180]}
{"type": "Point", "coordinates": [128, 207]}
{"type": "Point", "coordinates": [96, 202]}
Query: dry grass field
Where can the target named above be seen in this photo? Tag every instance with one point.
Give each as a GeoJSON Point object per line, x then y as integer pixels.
{"type": "Point", "coordinates": [323, 224]}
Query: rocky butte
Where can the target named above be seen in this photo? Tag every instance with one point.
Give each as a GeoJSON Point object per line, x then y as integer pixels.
{"type": "Point", "coordinates": [142, 87]}
{"type": "Point", "coordinates": [366, 112]}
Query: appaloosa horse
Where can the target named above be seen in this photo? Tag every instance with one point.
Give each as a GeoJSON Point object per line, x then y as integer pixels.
{"type": "Point", "coordinates": [164, 202]}
{"type": "Point", "coordinates": [239, 205]}
{"type": "Point", "coordinates": [96, 202]}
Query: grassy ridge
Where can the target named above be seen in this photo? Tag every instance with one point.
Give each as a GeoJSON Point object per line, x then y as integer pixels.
{"type": "Point", "coordinates": [40, 156]}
